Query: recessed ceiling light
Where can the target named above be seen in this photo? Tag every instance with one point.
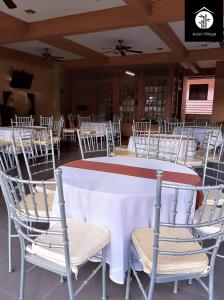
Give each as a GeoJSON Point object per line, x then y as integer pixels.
{"type": "Point", "coordinates": [159, 49]}
{"type": "Point", "coordinates": [30, 11]}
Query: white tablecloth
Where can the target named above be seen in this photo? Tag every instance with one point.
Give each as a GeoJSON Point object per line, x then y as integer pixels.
{"type": "Point", "coordinates": [119, 202]}
{"type": "Point", "coordinates": [98, 127]}
{"type": "Point", "coordinates": [199, 132]}
{"type": "Point", "coordinates": [192, 144]}
{"type": "Point", "coordinates": [7, 132]}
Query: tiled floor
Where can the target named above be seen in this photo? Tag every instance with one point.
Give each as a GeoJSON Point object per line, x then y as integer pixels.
{"type": "Point", "coordinates": [41, 284]}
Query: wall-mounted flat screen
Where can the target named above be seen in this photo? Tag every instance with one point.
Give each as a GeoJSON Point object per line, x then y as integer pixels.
{"type": "Point", "coordinates": [21, 80]}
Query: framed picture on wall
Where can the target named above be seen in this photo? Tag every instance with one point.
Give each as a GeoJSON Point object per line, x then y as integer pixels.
{"type": "Point", "coordinates": [30, 104]}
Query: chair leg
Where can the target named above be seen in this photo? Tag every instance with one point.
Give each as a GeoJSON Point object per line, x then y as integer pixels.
{"type": "Point", "coordinates": [151, 288]}
{"type": "Point", "coordinates": [70, 287]}
{"type": "Point", "coordinates": [211, 286]}
{"type": "Point", "coordinates": [128, 281]}
{"type": "Point", "coordinates": [10, 243]}
{"type": "Point", "coordinates": [104, 295]}
{"type": "Point", "coordinates": [22, 277]}
{"type": "Point", "coordinates": [175, 287]}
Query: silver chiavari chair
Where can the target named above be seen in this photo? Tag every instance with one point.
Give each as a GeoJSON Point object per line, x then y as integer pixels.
{"type": "Point", "coordinates": [57, 129]}
{"type": "Point", "coordinates": [170, 126]}
{"type": "Point", "coordinates": [112, 150]}
{"type": "Point", "coordinates": [83, 119]}
{"type": "Point", "coordinates": [21, 121]}
{"type": "Point", "coordinates": [71, 131]}
{"type": "Point", "coordinates": [189, 155]}
{"type": "Point", "coordinates": [169, 147]}
{"type": "Point", "coordinates": [46, 121]}
{"type": "Point", "coordinates": [39, 157]}
{"type": "Point", "coordinates": [171, 250]}
{"type": "Point", "coordinates": [141, 141]}
{"type": "Point", "coordinates": [142, 125]}
{"type": "Point", "coordinates": [91, 144]}
{"type": "Point", "coordinates": [65, 246]}
{"type": "Point", "coordinates": [213, 171]}
{"type": "Point", "coordinates": [9, 164]}
{"type": "Point", "coordinates": [116, 127]}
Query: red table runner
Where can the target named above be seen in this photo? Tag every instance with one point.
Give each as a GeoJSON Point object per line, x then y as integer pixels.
{"type": "Point", "coordinates": [175, 177]}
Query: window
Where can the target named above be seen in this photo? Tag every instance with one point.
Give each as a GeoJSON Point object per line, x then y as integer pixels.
{"type": "Point", "coordinates": [198, 92]}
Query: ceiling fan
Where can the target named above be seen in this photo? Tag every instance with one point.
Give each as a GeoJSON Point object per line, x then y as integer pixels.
{"type": "Point", "coordinates": [10, 4]}
{"type": "Point", "coordinates": [121, 49]}
{"type": "Point", "coordinates": [47, 55]}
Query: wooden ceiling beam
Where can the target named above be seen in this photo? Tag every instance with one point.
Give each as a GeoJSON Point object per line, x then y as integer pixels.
{"type": "Point", "coordinates": [129, 60]}
{"type": "Point", "coordinates": [12, 26]}
{"type": "Point", "coordinates": [153, 58]}
{"type": "Point", "coordinates": [190, 66]}
{"type": "Point", "coordinates": [103, 20]}
{"type": "Point", "coordinates": [22, 57]}
{"type": "Point", "coordinates": [144, 7]}
{"type": "Point", "coordinates": [167, 35]}
{"type": "Point", "coordinates": [73, 47]}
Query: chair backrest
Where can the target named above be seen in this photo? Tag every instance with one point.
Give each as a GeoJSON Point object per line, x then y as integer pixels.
{"type": "Point", "coordinates": [174, 229]}
{"type": "Point", "coordinates": [38, 152]}
{"type": "Point", "coordinates": [46, 121]}
{"type": "Point", "coordinates": [91, 143]}
{"type": "Point", "coordinates": [110, 142]}
{"type": "Point", "coordinates": [142, 125]}
{"type": "Point", "coordinates": [71, 121]}
{"type": "Point", "coordinates": [169, 126]}
{"type": "Point", "coordinates": [169, 147]}
{"type": "Point", "coordinates": [28, 219]}
{"type": "Point", "coordinates": [8, 162]}
{"type": "Point", "coordinates": [83, 119]}
{"type": "Point", "coordinates": [141, 142]}
{"type": "Point", "coordinates": [213, 172]}
{"type": "Point", "coordinates": [116, 128]}
{"type": "Point", "coordinates": [57, 127]}
{"type": "Point", "coordinates": [21, 121]}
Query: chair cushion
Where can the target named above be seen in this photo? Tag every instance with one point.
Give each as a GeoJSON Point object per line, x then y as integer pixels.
{"type": "Point", "coordinates": [69, 130]}
{"type": "Point", "coordinates": [122, 148]}
{"type": "Point", "coordinates": [169, 264]}
{"type": "Point", "coordinates": [206, 214]}
{"type": "Point", "coordinates": [39, 198]}
{"type": "Point", "coordinates": [85, 241]}
{"type": "Point", "coordinates": [123, 153]}
{"type": "Point", "coordinates": [49, 187]}
{"type": "Point", "coordinates": [212, 195]}
{"type": "Point", "coordinates": [191, 162]}
{"type": "Point", "coordinates": [87, 131]}
{"type": "Point", "coordinates": [3, 143]}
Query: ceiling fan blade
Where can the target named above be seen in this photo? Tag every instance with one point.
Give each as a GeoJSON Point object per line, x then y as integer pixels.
{"type": "Point", "coordinates": [111, 51]}
{"type": "Point", "coordinates": [57, 57]}
{"type": "Point", "coordinates": [134, 51]}
{"type": "Point", "coordinates": [10, 4]}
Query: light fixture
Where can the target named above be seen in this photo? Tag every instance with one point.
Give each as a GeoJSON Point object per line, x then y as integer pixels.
{"type": "Point", "coordinates": [30, 11]}
{"type": "Point", "coordinates": [129, 73]}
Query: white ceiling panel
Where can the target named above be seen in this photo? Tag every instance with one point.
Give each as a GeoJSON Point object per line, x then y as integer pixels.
{"type": "Point", "coordinates": [48, 9]}
{"type": "Point", "coordinates": [140, 38]}
{"type": "Point", "coordinates": [37, 48]}
{"type": "Point", "coordinates": [178, 28]}
{"type": "Point", "coordinates": [207, 63]}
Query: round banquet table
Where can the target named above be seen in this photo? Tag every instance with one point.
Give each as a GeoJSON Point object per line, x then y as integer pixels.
{"type": "Point", "coordinates": [119, 202]}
